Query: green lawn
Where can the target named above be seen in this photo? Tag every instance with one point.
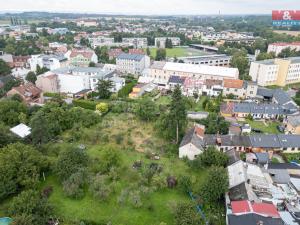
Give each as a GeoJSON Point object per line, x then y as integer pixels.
{"type": "Point", "coordinates": [156, 208]}
{"type": "Point", "coordinates": [178, 52]}
{"type": "Point", "coordinates": [199, 104]}
{"type": "Point", "coordinates": [271, 127]}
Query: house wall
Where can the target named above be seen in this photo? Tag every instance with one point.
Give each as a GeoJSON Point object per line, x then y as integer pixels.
{"type": "Point", "coordinates": [190, 151]}
{"type": "Point", "coordinates": [282, 72]}
{"type": "Point", "coordinates": [47, 85]}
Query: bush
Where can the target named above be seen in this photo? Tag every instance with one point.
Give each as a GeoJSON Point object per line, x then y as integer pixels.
{"type": "Point", "coordinates": [99, 187]}
{"type": "Point", "coordinates": [102, 107]}
{"type": "Point", "coordinates": [86, 104]}
{"type": "Point", "coordinates": [124, 92]}
{"type": "Point", "coordinates": [73, 186]}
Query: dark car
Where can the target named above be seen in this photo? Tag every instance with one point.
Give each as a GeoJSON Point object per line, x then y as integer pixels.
{"type": "Point", "coordinates": [256, 130]}
{"type": "Point", "coordinates": [280, 128]}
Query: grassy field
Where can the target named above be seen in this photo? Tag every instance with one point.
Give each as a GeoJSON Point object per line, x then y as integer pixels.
{"type": "Point", "coordinates": [179, 52]}
{"type": "Point", "coordinates": [271, 127]}
{"type": "Point", "coordinates": [137, 137]}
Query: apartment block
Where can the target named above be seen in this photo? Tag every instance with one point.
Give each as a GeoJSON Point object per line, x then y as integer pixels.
{"type": "Point", "coordinates": [132, 63]}
{"type": "Point", "coordinates": [278, 47]}
{"type": "Point", "coordinates": [161, 41]}
{"type": "Point", "coordinates": [277, 71]}
{"type": "Point", "coordinates": [136, 42]}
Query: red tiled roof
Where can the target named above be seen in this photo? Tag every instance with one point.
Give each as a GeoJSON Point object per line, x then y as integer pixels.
{"type": "Point", "coordinates": [136, 51]}
{"type": "Point", "coordinates": [233, 83]}
{"type": "Point", "coordinates": [227, 108]}
{"type": "Point", "coordinates": [265, 209]}
{"type": "Point", "coordinates": [240, 207]}
{"type": "Point", "coordinates": [29, 88]}
{"type": "Point", "coordinates": [85, 53]}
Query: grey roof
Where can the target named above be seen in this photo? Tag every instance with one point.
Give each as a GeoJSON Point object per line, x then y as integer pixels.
{"type": "Point", "coordinates": [266, 62]}
{"type": "Point", "coordinates": [289, 140]}
{"type": "Point", "coordinates": [283, 166]}
{"type": "Point", "coordinates": [281, 97]}
{"type": "Point", "coordinates": [279, 176]}
{"type": "Point", "coordinates": [295, 59]}
{"type": "Point", "coordinates": [192, 137]}
{"type": "Point", "coordinates": [233, 156]}
{"type": "Point", "coordinates": [176, 80]}
{"type": "Point", "coordinates": [135, 57]}
{"type": "Point", "coordinates": [7, 58]}
{"type": "Point", "coordinates": [253, 219]}
{"type": "Point", "coordinates": [59, 57]}
{"type": "Point", "coordinates": [265, 108]}
{"type": "Point", "coordinates": [100, 73]}
{"type": "Point", "coordinates": [227, 140]}
{"type": "Point", "coordinates": [294, 120]}
{"type": "Point", "coordinates": [262, 157]}
{"type": "Point", "coordinates": [265, 141]}
{"type": "Point", "coordinates": [265, 92]}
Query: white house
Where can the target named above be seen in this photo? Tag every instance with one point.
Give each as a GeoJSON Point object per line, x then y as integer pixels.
{"type": "Point", "coordinates": [192, 143]}
{"type": "Point", "coordinates": [51, 62]}
{"type": "Point", "coordinates": [132, 63]}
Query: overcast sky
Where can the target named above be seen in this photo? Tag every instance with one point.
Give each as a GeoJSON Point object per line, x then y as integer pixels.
{"type": "Point", "coordinates": [149, 7]}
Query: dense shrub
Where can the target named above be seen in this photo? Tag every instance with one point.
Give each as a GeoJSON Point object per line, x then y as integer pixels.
{"type": "Point", "coordinates": [86, 104]}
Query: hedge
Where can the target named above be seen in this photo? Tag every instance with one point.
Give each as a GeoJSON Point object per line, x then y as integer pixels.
{"type": "Point", "coordinates": [124, 92]}
{"type": "Point", "coordinates": [86, 104]}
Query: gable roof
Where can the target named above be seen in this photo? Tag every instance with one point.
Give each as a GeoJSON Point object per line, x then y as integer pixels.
{"type": "Point", "coordinates": [265, 209]}
{"type": "Point", "coordinates": [253, 219]}
{"type": "Point", "coordinates": [233, 83]}
{"type": "Point", "coordinates": [134, 57]}
{"type": "Point", "coordinates": [192, 136]}
{"type": "Point", "coordinates": [86, 53]}
{"type": "Point", "coordinates": [27, 90]}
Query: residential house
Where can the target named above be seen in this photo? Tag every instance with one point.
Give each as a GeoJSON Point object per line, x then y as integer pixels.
{"type": "Point", "coordinates": [114, 53]}
{"type": "Point", "coordinates": [239, 88]}
{"type": "Point", "coordinates": [82, 57]}
{"type": "Point", "coordinates": [293, 124]}
{"type": "Point", "coordinates": [136, 42]}
{"type": "Point", "coordinates": [131, 63]}
{"type": "Point", "coordinates": [212, 87]}
{"type": "Point", "coordinates": [28, 92]}
{"type": "Point", "coordinates": [51, 62]}
{"type": "Point", "coordinates": [141, 89]}
{"type": "Point", "coordinates": [160, 42]}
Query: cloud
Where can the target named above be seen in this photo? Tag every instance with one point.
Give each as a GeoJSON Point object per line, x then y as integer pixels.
{"type": "Point", "coordinates": [149, 7]}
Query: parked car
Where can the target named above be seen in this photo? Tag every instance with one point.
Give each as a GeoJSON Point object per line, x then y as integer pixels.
{"type": "Point", "coordinates": [280, 128]}
{"type": "Point", "coordinates": [257, 130]}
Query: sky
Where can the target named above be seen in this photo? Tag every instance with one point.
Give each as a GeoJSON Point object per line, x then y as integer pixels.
{"type": "Point", "coordinates": [152, 7]}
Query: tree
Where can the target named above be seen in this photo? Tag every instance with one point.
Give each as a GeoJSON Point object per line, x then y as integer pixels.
{"type": "Point", "coordinates": [4, 68]}
{"type": "Point", "coordinates": [239, 60]}
{"type": "Point", "coordinates": [92, 64]}
{"type": "Point", "coordinates": [265, 55]}
{"type": "Point", "coordinates": [30, 206]}
{"type": "Point", "coordinates": [146, 109]}
{"type": "Point", "coordinates": [169, 43]}
{"type": "Point", "coordinates": [31, 77]}
{"type": "Point", "coordinates": [40, 128]}
{"type": "Point", "coordinates": [70, 161]}
{"type": "Point", "coordinates": [186, 214]}
{"type": "Point", "coordinates": [10, 111]}
{"type": "Point", "coordinates": [173, 123]}
{"type": "Point", "coordinates": [148, 51]}
{"type": "Point", "coordinates": [102, 107]}
{"type": "Point", "coordinates": [160, 54]}
{"type": "Point", "coordinates": [215, 185]}
{"type": "Point", "coordinates": [6, 137]}
{"type": "Point", "coordinates": [104, 88]}
{"type": "Point", "coordinates": [40, 70]}
{"type": "Point", "coordinates": [215, 124]}
{"type": "Point", "coordinates": [102, 53]}
{"type": "Point", "coordinates": [20, 167]}
{"type": "Point", "coordinates": [210, 157]}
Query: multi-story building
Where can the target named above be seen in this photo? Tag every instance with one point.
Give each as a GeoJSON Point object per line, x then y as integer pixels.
{"type": "Point", "coordinates": [132, 63]}
{"type": "Point", "coordinates": [101, 41]}
{"type": "Point", "coordinates": [239, 88]}
{"type": "Point", "coordinates": [82, 57]}
{"type": "Point", "coordinates": [136, 42]}
{"type": "Point", "coordinates": [278, 47]}
{"type": "Point", "coordinates": [213, 36]}
{"type": "Point", "coordinates": [160, 72]}
{"type": "Point", "coordinates": [277, 71]}
{"type": "Point", "coordinates": [75, 79]}
{"type": "Point", "coordinates": [50, 62]}
{"type": "Point", "coordinates": [87, 23]}
{"type": "Point", "coordinates": [210, 60]}
{"type": "Point", "coordinates": [160, 42]}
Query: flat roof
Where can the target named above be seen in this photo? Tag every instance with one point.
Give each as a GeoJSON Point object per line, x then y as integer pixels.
{"type": "Point", "coordinates": [202, 69]}
{"type": "Point", "coordinates": [21, 130]}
